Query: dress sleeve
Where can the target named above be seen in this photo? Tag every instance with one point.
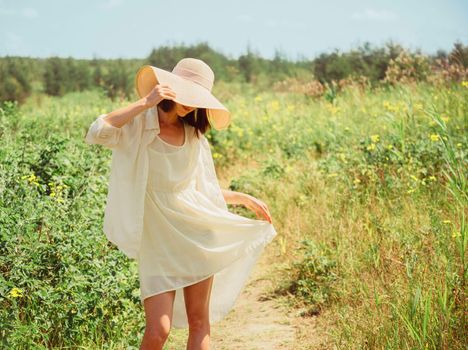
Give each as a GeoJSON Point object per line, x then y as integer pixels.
{"type": "Point", "coordinates": [207, 182]}
{"type": "Point", "coordinates": [103, 133]}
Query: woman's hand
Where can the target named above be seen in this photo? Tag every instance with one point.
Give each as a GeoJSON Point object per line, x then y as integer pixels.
{"type": "Point", "coordinates": [159, 93]}
{"type": "Point", "coordinates": [257, 206]}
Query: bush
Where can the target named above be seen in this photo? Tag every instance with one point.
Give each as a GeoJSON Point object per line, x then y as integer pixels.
{"type": "Point", "coordinates": [15, 84]}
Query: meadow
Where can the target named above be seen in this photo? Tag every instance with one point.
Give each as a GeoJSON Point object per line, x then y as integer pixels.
{"type": "Point", "coordinates": [367, 189]}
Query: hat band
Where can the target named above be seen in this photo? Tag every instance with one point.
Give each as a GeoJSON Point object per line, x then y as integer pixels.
{"type": "Point", "coordinates": [193, 76]}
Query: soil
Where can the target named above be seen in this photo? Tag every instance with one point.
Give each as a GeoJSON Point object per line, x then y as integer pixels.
{"type": "Point", "coordinates": [260, 321]}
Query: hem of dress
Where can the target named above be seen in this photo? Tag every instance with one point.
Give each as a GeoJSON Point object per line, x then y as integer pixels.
{"type": "Point", "coordinates": [263, 241]}
{"type": "Point", "coordinates": [183, 286]}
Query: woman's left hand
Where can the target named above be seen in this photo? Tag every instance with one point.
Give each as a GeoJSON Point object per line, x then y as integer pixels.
{"type": "Point", "coordinates": [257, 206]}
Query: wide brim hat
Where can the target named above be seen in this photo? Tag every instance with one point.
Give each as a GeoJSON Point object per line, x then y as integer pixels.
{"type": "Point", "coordinates": [192, 81]}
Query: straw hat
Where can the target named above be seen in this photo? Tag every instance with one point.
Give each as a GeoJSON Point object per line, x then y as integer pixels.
{"type": "Point", "coordinates": [192, 81]}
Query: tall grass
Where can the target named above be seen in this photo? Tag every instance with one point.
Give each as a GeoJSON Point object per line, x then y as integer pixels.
{"type": "Point", "coordinates": [371, 209]}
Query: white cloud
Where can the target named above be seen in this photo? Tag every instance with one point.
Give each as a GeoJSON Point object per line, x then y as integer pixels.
{"type": "Point", "coordinates": [27, 12]}
{"type": "Point", "coordinates": [109, 4]}
{"type": "Point", "coordinates": [374, 15]}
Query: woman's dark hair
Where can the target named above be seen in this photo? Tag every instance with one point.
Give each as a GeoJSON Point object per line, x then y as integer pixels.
{"type": "Point", "coordinates": [196, 118]}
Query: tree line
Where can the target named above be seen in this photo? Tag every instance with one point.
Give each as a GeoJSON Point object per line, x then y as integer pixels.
{"type": "Point", "coordinates": [20, 76]}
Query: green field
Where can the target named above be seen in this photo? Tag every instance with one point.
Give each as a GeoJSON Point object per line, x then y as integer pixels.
{"type": "Point", "coordinates": [367, 190]}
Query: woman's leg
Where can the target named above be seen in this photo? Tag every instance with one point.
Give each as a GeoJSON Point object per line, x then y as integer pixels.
{"type": "Point", "coordinates": [197, 302]}
{"type": "Point", "coordinates": [158, 312]}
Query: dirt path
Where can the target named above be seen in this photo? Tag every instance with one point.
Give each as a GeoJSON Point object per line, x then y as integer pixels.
{"type": "Point", "coordinates": [255, 322]}
{"type": "Point", "coordinates": [258, 322]}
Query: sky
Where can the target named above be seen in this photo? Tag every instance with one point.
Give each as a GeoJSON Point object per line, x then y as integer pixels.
{"type": "Point", "coordinates": [296, 28]}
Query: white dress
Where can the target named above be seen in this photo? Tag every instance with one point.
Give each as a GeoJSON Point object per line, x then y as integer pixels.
{"type": "Point", "coordinates": [187, 238]}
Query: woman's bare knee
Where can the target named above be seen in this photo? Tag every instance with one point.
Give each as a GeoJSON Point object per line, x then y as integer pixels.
{"type": "Point", "coordinates": [158, 312]}
{"type": "Point", "coordinates": [159, 329]}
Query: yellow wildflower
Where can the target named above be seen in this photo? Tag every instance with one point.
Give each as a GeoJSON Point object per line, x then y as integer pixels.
{"type": "Point", "coordinates": [16, 293]}
{"type": "Point", "coordinates": [456, 234]}
{"type": "Point", "coordinates": [391, 108]}
{"type": "Point", "coordinates": [435, 137]}
{"type": "Point", "coordinates": [375, 138]}
{"type": "Point", "coordinates": [447, 222]}
{"type": "Point", "coordinates": [464, 83]}
{"type": "Point", "coordinates": [371, 147]}
{"type": "Point", "coordinates": [275, 106]}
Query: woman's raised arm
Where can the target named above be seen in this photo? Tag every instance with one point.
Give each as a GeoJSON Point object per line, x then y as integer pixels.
{"type": "Point", "coordinates": [112, 129]}
{"type": "Point", "coordinates": [115, 129]}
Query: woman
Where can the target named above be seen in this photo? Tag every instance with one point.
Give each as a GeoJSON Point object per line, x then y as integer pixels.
{"type": "Point", "coordinates": [165, 207]}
